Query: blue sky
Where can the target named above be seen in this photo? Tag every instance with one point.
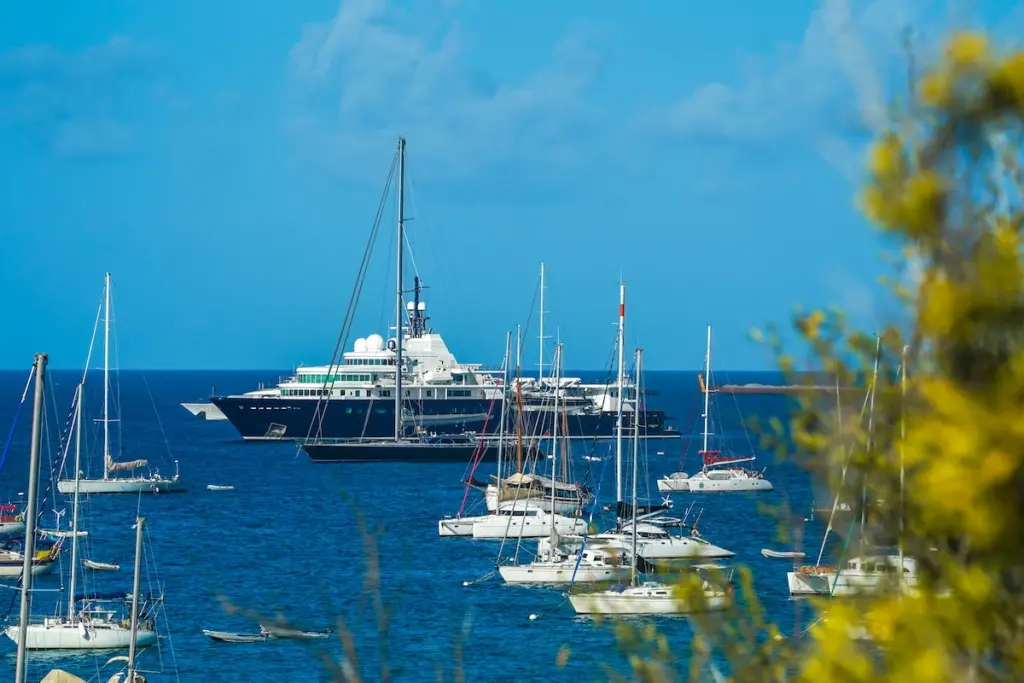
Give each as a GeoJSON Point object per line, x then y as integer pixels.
{"type": "Point", "coordinates": [224, 161]}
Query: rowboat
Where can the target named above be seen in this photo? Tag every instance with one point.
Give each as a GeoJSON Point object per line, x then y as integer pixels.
{"type": "Point", "coordinates": [227, 637]}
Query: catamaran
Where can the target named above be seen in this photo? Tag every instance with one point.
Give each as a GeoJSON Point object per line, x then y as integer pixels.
{"type": "Point", "coordinates": [643, 597]}
{"type": "Point", "coordinates": [720, 473]}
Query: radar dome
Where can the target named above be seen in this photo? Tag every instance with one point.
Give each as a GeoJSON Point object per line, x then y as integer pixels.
{"type": "Point", "coordinates": [374, 343]}
{"type": "Point", "coordinates": [360, 346]}
{"type": "Point", "coordinates": [422, 306]}
{"type": "Point", "coordinates": [410, 306]}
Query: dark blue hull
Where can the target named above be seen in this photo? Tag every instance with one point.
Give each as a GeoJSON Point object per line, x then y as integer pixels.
{"type": "Point", "coordinates": [274, 419]}
{"type": "Point", "coordinates": [382, 451]}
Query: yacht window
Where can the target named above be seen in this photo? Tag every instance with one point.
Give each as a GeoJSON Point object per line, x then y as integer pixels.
{"type": "Point", "coordinates": [430, 393]}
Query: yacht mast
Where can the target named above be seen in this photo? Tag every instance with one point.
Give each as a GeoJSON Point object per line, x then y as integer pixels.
{"type": "Point", "coordinates": [707, 398]}
{"type": "Point", "coordinates": [106, 376]}
{"type": "Point", "coordinates": [903, 440]}
{"type": "Point", "coordinates": [540, 337]}
{"type": "Point", "coordinates": [636, 460]}
{"type": "Point", "coordinates": [74, 511]}
{"type": "Point", "coordinates": [519, 348]}
{"type": "Point", "coordinates": [554, 443]}
{"type": "Point", "coordinates": [139, 523]}
{"type": "Point", "coordinates": [398, 288]}
{"type": "Point", "coordinates": [618, 417]}
{"type": "Point", "coordinates": [20, 671]}
{"type": "Point", "coordinates": [871, 441]}
{"type": "Point", "coordinates": [504, 406]}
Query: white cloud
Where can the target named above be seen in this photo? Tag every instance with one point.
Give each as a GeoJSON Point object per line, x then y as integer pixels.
{"type": "Point", "coordinates": [830, 91]}
{"type": "Point", "coordinates": [371, 73]}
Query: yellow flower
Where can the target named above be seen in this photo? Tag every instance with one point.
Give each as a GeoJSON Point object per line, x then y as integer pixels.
{"type": "Point", "coordinates": [936, 88]}
{"type": "Point", "coordinates": [930, 665]}
{"type": "Point", "coordinates": [967, 49]}
{"type": "Point", "coordinates": [886, 158]}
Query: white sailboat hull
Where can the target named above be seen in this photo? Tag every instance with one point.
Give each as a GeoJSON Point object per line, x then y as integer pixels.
{"type": "Point", "coordinates": [12, 528]}
{"type": "Point", "coordinates": [458, 526]}
{"type": "Point", "coordinates": [641, 600]}
{"type": "Point", "coordinates": [56, 634]}
{"type": "Point", "coordinates": [561, 573]}
{"type": "Point", "coordinates": [847, 584]}
{"type": "Point", "coordinates": [674, 484]}
{"type": "Point", "coordinates": [562, 505]}
{"type": "Point", "coordinates": [13, 571]}
{"type": "Point", "coordinates": [128, 485]}
{"type": "Point", "coordinates": [502, 526]}
{"type": "Point", "coordinates": [698, 483]}
{"type": "Point", "coordinates": [665, 549]}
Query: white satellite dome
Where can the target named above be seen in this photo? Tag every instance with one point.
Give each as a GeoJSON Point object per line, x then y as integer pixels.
{"type": "Point", "coordinates": [360, 346]}
{"type": "Point", "coordinates": [374, 342]}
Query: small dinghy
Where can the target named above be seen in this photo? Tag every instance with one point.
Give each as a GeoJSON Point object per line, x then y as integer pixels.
{"type": "Point", "coordinates": [791, 554]}
{"type": "Point", "coordinates": [102, 566]}
{"type": "Point", "coordinates": [216, 487]}
{"type": "Point", "coordinates": [227, 637]}
{"type": "Point", "coordinates": [282, 632]}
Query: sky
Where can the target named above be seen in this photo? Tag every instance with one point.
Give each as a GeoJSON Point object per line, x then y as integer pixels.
{"type": "Point", "coordinates": [225, 160]}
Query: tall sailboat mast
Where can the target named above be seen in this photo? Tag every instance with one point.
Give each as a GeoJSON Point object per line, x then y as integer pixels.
{"type": "Point", "coordinates": [74, 511]}
{"type": "Point", "coordinates": [707, 399]}
{"type": "Point", "coordinates": [31, 513]}
{"type": "Point", "coordinates": [139, 523]}
{"type": "Point", "coordinates": [540, 336]}
{"type": "Point", "coordinates": [504, 408]}
{"type": "Point", "coordinates": [398, 288]}
{"type": "Point", "coordinates": [636, 460]}
{"type": "Point", "coordinates": [621, 398]}
{"type": "Point", "coordinates": [554, 441]}
{"type": "Point", "coordinates": [106, 375]}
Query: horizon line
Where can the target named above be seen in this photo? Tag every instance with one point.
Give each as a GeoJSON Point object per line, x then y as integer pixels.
{"type": "Point", "coordinates": [569, 371]}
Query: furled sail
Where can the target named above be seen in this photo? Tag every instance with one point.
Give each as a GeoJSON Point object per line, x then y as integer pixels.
{"type": "Point", "coordinates": [124, 466]}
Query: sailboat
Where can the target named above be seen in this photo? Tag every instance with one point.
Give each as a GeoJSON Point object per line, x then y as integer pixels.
{"type": "Point", "coordinates": [150, 483]}
{"type": "Point", "coordinates": [89, 622]}
{"type": "Point", "coordinates": [643, 597]}
{"type": "Point", "coordinates": [654, 541]}
{"type": "Point", "coordinates": [719, 472]}
{"type": "Point", "coordinates": [14, 528]}
{"type": "Point", "coordinates": [867, 573]}
{"type": "Point", "coordinates": [554, 564]}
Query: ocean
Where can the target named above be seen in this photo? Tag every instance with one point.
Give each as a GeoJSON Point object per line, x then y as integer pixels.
{"type": "Point", "coordinates": [289, 540]}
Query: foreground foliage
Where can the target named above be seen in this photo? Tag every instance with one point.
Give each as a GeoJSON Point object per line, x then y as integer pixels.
{"type": "Point", "coordinates": [943, 455]}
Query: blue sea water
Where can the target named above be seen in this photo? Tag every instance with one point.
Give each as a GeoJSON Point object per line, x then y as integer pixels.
{"type": "Point", "coordinates": [288, 540]}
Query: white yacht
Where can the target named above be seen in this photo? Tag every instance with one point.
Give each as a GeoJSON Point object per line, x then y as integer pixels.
{"type": "Point", "coordinates": [720, 473]}
{"type": "Point", "coordinates": [557, 564]}
{"type": "Point", "coordinates": [858, 576]}
{"type": "Point", "coordinates": [526, 519]}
